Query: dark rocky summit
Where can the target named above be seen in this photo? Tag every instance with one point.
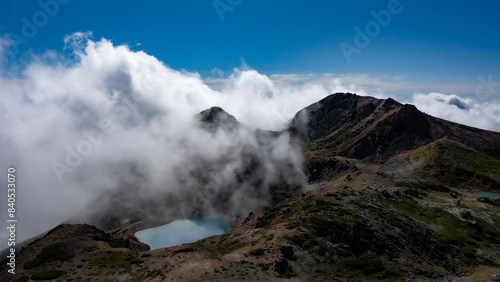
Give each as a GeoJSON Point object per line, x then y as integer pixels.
{"type": "Point", "coordinates": [366, 127]}
{"type": "Point", "coordinates": [216, 118]}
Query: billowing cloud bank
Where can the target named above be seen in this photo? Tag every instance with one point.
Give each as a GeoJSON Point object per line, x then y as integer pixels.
{"type": "Point", "coordinates": [113, 117]}
{"type": "Point", "coordinates": [107, 116]}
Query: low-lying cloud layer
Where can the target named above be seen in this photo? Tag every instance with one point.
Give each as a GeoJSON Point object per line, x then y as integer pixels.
{"type": "Point", "coordinates": [485, 115]}
{"type": "Point", "coordinates": [107, 117]}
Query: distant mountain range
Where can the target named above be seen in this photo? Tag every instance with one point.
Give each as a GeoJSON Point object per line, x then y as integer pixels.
{"type": "Point", "coordinates": [389, 193]}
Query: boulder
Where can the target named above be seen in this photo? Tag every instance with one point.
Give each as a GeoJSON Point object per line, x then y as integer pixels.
{"type": "Point", "coordinates": [386, 194]}
{"type": "Point", "coordinates": [412, 192]}
{"type": "Point", "coordinates": [288, 252]}
{"type": "Point", "coordinates": [467, 215]}
{"type": "Point", "coordinates": [281, 266]}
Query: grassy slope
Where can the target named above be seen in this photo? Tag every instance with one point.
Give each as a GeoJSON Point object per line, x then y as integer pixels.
{"type": "Point", "coordinates": [341, 230]}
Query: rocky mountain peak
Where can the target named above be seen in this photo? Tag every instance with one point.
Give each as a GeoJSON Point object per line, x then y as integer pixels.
{"type": "Point", "coordinates": [365, 127]}
{"type": "Point", "coordinates": [215, 118]}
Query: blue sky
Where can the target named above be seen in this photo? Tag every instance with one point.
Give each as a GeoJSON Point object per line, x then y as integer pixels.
{"type": "Point", "coordinates": [427, 42]}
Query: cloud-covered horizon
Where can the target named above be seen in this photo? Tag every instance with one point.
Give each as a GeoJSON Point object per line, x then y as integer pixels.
{"type": "Point", "coordinates": [484, 115]}
{"type": "Point", "coordinates": [74, 124]}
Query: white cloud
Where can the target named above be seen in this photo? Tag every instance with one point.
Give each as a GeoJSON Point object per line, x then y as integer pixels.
{"type": "Point", "coordinates": [77, 41]}
{"type": "Point", "coordinates": [5, 53]}
{"type": "Point", "coordinates": [485, 115]}
{"type": "Point", "coordinates": [4, 43]}
{"type": "Point", "coordinates": [113, 112]}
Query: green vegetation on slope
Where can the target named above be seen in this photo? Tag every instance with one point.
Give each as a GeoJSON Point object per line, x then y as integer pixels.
{"type": "Point", "coordinates": [55, 252]}
{"type": "Point", "coordinates": [361, 229]}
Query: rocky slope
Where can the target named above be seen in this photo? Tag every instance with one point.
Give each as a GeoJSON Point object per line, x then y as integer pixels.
{"type": "Point", "coordinates": [400, 138]}
{"type": "Point", "coordinates": [391, 197]}
{"type": "Point", "coordinates": [374, 129]}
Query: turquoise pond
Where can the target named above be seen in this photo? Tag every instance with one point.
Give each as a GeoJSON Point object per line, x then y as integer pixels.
{"type": "Point", "coordinates": [488, 195]}
{"type": "Point", "coordinates": [182, 231]}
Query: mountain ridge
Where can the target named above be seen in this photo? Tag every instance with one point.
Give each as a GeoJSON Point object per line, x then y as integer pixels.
{"type": "Point", "coordinates": [391, 195]}
{"type": "Point", "coordinates": [373, 117]}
